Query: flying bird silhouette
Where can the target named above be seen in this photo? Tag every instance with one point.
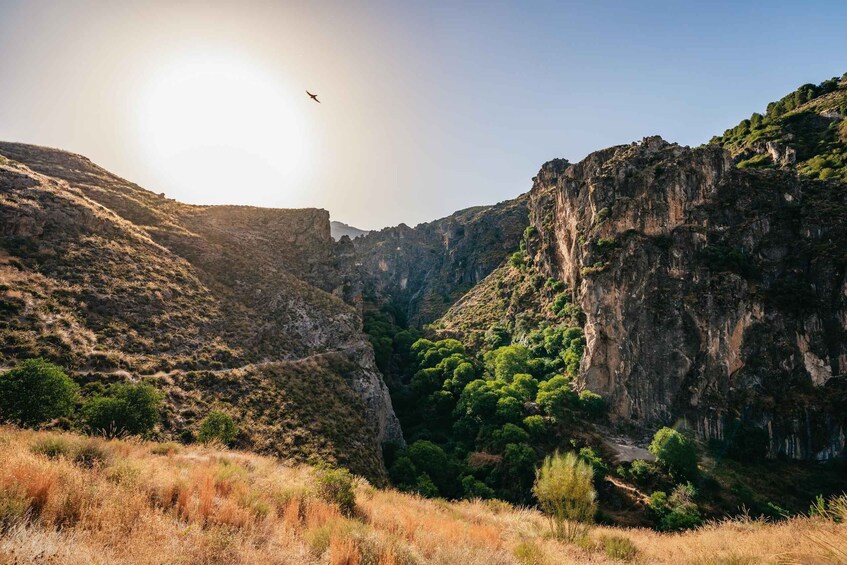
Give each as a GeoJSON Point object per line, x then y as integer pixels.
{"type": "Point", "coordinates": [313, 97]}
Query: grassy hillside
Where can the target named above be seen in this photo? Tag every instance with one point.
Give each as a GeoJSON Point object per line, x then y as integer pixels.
{"type": "Point", "coordinates": [66, 499]}
{"type": "Point", "coordinates": [115, 283]}
{"type": "Point", "coordinates": [805, 129]}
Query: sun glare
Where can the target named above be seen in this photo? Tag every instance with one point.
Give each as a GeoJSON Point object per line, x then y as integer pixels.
{"type": "Point", "coordinates": [220, 129]}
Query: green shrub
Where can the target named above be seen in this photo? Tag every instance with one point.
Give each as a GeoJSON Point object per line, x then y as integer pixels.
{"type": "Point", "coordinates": [123, 409]}
{"type": "Point", "coordinates": [518, 260]}
{"type": "Point", "coordinates": [564, 487]}
{"type": "Point", "coordinates": [618, 547]}
{"type": "Point", "coordinates": [677, 511]}
{"type": "Point", "coordinates": [640, 472]}
{"type": "Point", "coordinates": [425, 487]}
{"type": "Point", "coordinates": [218, 426]}
{"type": "Point", "coordinates": [336, 486]}
{"type": "Point", "coordinates": [591, 457]}
{"type": "Point", "coordinates": [34, 392]}
{"type": "Point", "coordinates": [560, 301]}
{"type": "Point", "coordinates": [52, 447]}
{"type": "Point", "coordinates": [675, 452]}
{"type": "Point", "coordinates": [591, 403]}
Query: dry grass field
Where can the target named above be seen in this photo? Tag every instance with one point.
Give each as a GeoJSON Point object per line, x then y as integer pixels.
{"type": "Point", "coordinates": [70, 499]}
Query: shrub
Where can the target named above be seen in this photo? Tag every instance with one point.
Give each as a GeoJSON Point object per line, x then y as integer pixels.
{"type": "Point", "coordinates": [52, 447]}
{"type": "Point", "coordinates": [34, 392]}
{"type": "Point", "coordinates": [591, 403]}
{"type": "Point", "coordinates": [559, 303]}
{"type": "Point", "coordinates": [218, 426]}
{"type": "Point", "coordinates": [335, 485]}
{"type": "Point", "coordinates": [640, 472]}
{"type": "Point", "coordinates": [591, 457]}
{"type": "Point", "coordinates": [618, 547]}
{"type": "Point", "coordinates": [124, 409]}
{"type": "Point", "coordinates": [425, 487]}
{"type": "Point", "coordinates": [564, 486]}
{"type": "Point", "coordinates": [675, 452]}
{"type": "Point", "coordinates": [677, 511]}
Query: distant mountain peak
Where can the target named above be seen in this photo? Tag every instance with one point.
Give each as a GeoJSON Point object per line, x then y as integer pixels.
{"type": "Point", "coordinates": [340, 229]}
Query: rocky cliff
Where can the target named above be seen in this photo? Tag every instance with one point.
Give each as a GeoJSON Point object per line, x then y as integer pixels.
{"type": "Point", "coordinates": [423, 270]}
{"type": "Point", "coordinates": [710, 293]}
{"type": "Point", "coordinates": [113, 281]}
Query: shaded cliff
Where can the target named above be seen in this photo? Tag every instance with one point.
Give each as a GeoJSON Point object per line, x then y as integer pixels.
{"type": "Point", "coordinates": [113, 281]}
{"type": "Point", "coordinates": [710, 293]}
{"type": "Point", "coordinates": [423, 270]}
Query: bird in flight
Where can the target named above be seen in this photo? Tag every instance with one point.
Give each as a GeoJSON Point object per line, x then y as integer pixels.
{"type": "Point", "coordinates": [313, 97]}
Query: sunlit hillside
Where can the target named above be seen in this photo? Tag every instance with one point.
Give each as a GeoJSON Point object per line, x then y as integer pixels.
{"type": "Point", "coordinates": [70, 499]}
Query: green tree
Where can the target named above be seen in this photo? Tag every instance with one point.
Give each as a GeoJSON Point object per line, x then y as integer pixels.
{"type": "Point", "coordinates": [34, 392]}
{"type": "Point", "coordinates": [505, 362]}
{"type": "Point", "coordinates": [675, 452]}
{"type": "Point", "coordinates": [474, 488]}
{"type": "Point", "coordinates": [131, 409]}
{"type": "Point", "coordinates": [556, 396]}
{"type": "Point", "coordinates": [218, 426]}
{"type": "Point", "coordinates": [564, 487]}
{"type": "Point", "coordinates": [403, 472]}
{"type": "Point", "coordinates": [431, 460]}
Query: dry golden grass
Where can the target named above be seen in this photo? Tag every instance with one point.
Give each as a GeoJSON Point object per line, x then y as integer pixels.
{"type": "Point", "coordinates": [139, 502]}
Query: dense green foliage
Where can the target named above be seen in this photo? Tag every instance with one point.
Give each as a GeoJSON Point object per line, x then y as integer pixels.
{"type": "Point", "coordinates": [218, 426]}
{"type": "Point", "coordinates": [564, 487]}
{"type": "Point", "coordinates": [34, 392]}
{"type": "Point", "coordinates": [675, 452]}
{"type": "Point", "coordinates": [124, 409]}
{"type": "Point", "coordinates": [479, 423]}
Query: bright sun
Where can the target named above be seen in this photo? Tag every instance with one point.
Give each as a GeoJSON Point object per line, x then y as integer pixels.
{"type": "Point", "coordinates": [219, 129]}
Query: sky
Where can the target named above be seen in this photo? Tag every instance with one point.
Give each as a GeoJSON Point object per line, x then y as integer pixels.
{"type": "Point", "coordinates": [426, 107]}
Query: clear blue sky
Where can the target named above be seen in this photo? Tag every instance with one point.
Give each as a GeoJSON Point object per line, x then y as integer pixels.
{"type": "Point", "coordinates": [427, 107]}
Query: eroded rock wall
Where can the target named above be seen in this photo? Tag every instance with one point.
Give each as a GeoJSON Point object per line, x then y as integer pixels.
{"type": "Point", "coordinates": [710, 293]}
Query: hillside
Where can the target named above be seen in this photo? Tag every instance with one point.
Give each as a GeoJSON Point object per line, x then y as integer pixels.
{"type": "Point", "coordinates": [805, 130]}
{"type": "Point", "coordinates": [114, 282]}
{"type": "Point", "coordinates": [708, 292]}
{"type": "Point", "coordinates": [67, 500]}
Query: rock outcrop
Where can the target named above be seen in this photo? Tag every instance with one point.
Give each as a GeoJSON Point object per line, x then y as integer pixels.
{"type": "Point", "coordinates": [423, 270]}
{"type": "Point", "coordinates": [710, 293]}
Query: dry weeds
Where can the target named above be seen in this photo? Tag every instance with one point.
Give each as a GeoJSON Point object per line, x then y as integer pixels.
{"type": "Point", "coordinates": [146, 503]}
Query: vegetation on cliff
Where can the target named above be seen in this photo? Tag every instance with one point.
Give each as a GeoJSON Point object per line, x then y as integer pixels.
{"type": "Point", "coordinates": [805, 129]}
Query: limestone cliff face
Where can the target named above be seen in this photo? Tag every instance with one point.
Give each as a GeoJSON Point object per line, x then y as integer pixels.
{"type": "Point", "coordinates": [710, 293]}
{"type": "Point", "coordinates": [425, 269]}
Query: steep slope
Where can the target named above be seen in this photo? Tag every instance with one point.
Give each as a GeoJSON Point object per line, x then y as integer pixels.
{"type": "Point", "coordinates": [805, 130]}
{"type": "Point", "coordinates": [710, 293]}
{"type": "Point", "coordinates": [191, 289]}
{"type": "Point", "coordinates": [425, 269]}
